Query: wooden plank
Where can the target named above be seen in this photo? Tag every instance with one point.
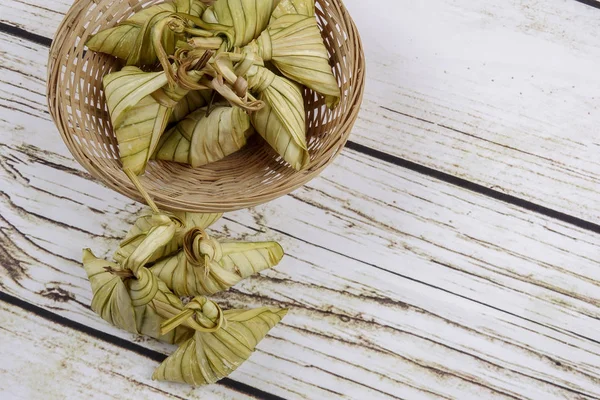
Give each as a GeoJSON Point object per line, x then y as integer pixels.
{"type": "Point", "coordinates": [504, 95]}
{"type": "Point", "coordinates": [40, 18]}
{"type": "Point", "coordinates": [44, 359]}
{"type": "Point", "coordinates": [318, 309]}
{"type": "Point", "coordinates": [405, 287]}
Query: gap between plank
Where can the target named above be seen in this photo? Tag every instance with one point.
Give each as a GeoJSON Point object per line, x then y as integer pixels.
{"type": "Point", "coordinates": [23, 34]}
{"type": "Point", "coordinates": [401, 162]}
{"type": "Point", "coordinates": [591, 3]}
{"type": "Point", "coordinates": [475, 187]}
{"type": "Point", "coordinates": [151, 354]}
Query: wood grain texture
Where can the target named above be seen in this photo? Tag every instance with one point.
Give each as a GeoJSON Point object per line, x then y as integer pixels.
{"type": "Point", "coordinates": [399, 285]}
{"type": "Point", "coordinates": [38, 353]}
{"type": "Point", "coordinates": [504, 94]}
{"type": "Point", "coordinates": [501, 94]}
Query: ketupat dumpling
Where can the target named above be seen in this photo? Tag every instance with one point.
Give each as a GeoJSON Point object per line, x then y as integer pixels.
{"type": "Point", "coordinates": [293, 43]}
{"type": "Point", "coordinates": [247, 17]}
{"type": "Point", "coordinates": [205, 266]}
{"type": "Point", "coordinates": [136, 303]}
{"type": "Point", "coordinates": [226, 340]}
{"type": "Point", "coordinates": [194, 100]}
{"type": "Point", "coordinates": [145, 225]}
{"type": "Point", "coordinates": [137, 118]}
{"type": "Point", "coordinates": [131, 40]}
{"type": "Point", "coordinates": [281, 122]}
{"type": "Point", "coordinates": [140, 105]}
{"type": "Point", "coordinates": [200, 139]}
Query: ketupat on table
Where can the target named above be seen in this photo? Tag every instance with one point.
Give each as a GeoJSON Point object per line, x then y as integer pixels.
{"type": "Point", "coordinates": [451, 251]}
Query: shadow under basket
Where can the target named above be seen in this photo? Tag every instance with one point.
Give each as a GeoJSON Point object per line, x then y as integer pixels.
{"type": "Point", "coordinates": [249, 177]}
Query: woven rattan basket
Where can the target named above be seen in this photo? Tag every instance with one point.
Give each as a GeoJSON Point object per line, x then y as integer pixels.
{"type": "Point", "coordinates": [252, 176]}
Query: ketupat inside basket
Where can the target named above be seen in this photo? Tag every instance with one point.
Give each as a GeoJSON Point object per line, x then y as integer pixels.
{"type": "Point", "coordinates": [249, 177]}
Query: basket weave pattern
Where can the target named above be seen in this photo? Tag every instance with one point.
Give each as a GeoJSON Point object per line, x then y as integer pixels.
{"type": "Point", "coordinates": [249, 177]}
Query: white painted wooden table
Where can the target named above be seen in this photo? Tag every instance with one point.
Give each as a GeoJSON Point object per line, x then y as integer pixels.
{"type": "Point", "coordinates": [452, 251]}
